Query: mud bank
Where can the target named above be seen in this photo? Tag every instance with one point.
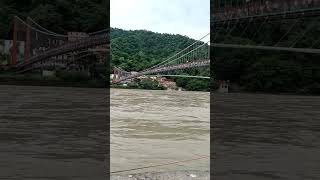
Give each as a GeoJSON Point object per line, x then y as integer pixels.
{"type": "Point", "coordinates": [177, 175]}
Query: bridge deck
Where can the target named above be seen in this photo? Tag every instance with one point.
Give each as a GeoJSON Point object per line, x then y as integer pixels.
{"type": "Point", "coordinates": [168, 68]}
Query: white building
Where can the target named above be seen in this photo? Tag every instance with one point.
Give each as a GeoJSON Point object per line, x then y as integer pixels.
{"type": "Point", "coordinates": [223, 86]}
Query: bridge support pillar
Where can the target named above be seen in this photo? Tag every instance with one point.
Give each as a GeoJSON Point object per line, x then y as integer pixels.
{"type": "Point", "coordinates": [118, 74]}
{"type": "Point", "coordinates": [27, 44]}
{"type": "Point", "coordinates": [114, 74]}
{"type": "Point", "coordinates": [14, 43]}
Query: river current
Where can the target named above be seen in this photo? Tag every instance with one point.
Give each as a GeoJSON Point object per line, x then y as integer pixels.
{"type": "Point", "coordinates": [60, 133]}
{"type": "Point", "coordinates": [156, 127]}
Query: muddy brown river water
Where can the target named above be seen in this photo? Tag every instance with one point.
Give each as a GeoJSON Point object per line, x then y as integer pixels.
{"type": "Point", "coordinates": [60, 133]}
{"type": "Point", "coordinates": [156, 127]}
{"type": "Point", "coordinates": [265, 137]}
{"type": "Point", "coordinates": [52, 133]}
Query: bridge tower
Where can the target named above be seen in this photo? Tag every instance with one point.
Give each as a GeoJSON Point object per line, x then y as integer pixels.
{"type": "Point", "coordinates": [115, 71]}
{"type": "Point", "coordinates": [27, 43]}
{"type": "Point", "coordinates": [13, 49]}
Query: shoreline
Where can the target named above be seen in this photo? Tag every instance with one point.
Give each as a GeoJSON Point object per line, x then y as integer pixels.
{"type": "Point", "coordinates": [53, 84]}
{"type": "Point", "coordinates": [127, 87]}
{"type": "Point", "coordinates": [168, 175]}
{"type": "Point", "coordinates": [27, 81]}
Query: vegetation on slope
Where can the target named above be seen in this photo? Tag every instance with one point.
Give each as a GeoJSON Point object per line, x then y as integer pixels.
{"type": "Point", "coordinates": [140, 49]}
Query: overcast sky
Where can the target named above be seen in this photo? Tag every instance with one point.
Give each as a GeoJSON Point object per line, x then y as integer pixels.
{"type": "Point", "coordinates": [185, 17]}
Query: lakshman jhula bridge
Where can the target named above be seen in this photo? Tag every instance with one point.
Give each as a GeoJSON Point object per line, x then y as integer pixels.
{"type": "Point", "coordinates": [43, 49]}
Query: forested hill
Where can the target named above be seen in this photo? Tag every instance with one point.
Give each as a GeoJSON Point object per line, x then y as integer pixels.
{"type": "Point", "coordinates": [140, 49]}
{"type": "Point", "coordinates": [59, 16]}
{"type": "Point", "coordinates": [135, 50]}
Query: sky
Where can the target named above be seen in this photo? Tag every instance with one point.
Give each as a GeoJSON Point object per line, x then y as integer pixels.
{"type": "Point", "coordinates": [185, 17]}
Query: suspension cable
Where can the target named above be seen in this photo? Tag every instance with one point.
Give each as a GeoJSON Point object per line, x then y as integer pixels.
{"type": "Point", "coordinates": [44, 28]}
{"type": "Point", "coordinates": [297, 20]}
{"type": "Point", "coordinates": [233, 28]}
{"type": "Point", "coordinates": [216, 34]}
{"type": "Point", "coordinates": [97, 32]}
{"type": "Point", "coordinates": [259, 29]}
{"type": "Point", "coordinates": [186, 53]}
{"type": "Point", "coordinates": [46, 33]}
{"type": "Point", "coordinates": [302, 35]}
{"type": "Point", "coordinates": [197, 41]}
{"type": "Point", "coordinates": [53, 33]}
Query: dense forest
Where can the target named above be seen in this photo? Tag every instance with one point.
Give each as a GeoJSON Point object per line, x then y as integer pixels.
{"type": "Point", "coordinates": [59, 16]}
{"type": "Point", "coordinates": [135, 50]}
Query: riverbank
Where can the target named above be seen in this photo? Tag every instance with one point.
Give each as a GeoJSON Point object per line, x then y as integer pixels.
{"type": "Point", "coordinates": [241, 90]}
{"type": "Point", "coordinates": [269, 93]}
{"type": "Point", "coordinates": [236, 88]}
{"type": "Point", "coordinates": [174, 175]}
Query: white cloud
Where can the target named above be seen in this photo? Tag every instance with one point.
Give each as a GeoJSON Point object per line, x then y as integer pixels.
{"type": "Point", "coordinates": [185, 17]}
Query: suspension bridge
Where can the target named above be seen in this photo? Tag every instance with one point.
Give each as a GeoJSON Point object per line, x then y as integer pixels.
{"type": "Point", "coordinates": [291, 22]}
{"type": "Point", "coordinates": [266, 27]}
{"type": "Point", "coordinates": [36, 48]}
{"type": "Point", "coordinates": [195, 56]}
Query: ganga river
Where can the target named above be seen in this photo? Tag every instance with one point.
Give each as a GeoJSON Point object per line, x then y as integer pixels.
{"type": "Point", "coordinates": [155, 127]}
{"type": "Point", "coordinates": [60, 133]}
{"type": "Point", "coordinates": [53, 133]}
{"type": "Point", "coordinates": [265, 137]}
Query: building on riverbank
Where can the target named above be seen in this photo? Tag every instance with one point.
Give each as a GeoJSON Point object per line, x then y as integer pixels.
{"type": "Point", "coordinates": [223, 86]}
{"type": "Point", "coordinates": [167, 83]}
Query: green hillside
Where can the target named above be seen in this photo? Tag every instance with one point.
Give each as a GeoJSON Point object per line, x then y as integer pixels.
{"type": "Point", "coordinates": [140, 49]}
